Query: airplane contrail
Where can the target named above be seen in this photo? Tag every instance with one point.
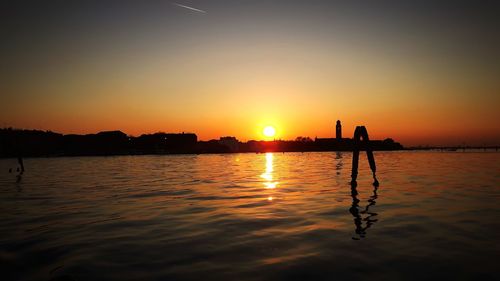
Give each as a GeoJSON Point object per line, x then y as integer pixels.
{"type": "Point", "coordinates": [190, 8]}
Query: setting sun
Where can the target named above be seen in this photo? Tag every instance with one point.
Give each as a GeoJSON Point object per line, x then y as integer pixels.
{"type": "Point", "coordinates": [269, 131]}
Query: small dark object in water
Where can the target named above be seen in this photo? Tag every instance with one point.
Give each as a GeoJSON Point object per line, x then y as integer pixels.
{"type": "Point", "coordinates": [10, 170]}
{"type": "Point", "coordinates": [21, 164]}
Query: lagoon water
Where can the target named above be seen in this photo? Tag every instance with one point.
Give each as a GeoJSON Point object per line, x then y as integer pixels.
{"type": "Point", "coordinates": [292, 216]}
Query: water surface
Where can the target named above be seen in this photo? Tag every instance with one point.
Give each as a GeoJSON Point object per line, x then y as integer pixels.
{"type": "Point", "coordinates": [278, 216]}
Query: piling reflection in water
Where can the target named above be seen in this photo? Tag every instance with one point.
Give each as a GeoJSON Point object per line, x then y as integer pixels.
{"type": "Point", "coordinates": [366, 215]}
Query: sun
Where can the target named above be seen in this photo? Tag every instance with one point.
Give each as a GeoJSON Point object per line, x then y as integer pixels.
{"type": "Point", "coordinates": [269, 131]}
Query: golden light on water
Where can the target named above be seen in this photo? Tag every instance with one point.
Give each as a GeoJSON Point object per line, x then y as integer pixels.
{"type": "Point", "coordinates": [268, 174]}
{"type": "Point", "coordinates": [271, 185]}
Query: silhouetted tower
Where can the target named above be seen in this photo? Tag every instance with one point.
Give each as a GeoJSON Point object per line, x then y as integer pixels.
{"type": "Point", "coordinates": [338, 130]}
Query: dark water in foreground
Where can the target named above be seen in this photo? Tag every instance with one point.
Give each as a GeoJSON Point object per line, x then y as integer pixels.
{"type": "Point", "coordinates": [292, 216]}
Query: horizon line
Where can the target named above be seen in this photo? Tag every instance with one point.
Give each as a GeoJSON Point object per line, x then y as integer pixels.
{"type": "Point", "coordinates": [276, 139]}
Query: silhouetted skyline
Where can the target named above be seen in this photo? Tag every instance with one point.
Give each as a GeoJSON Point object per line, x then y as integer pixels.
{"type": "Point", "coordinates": [36, 143]}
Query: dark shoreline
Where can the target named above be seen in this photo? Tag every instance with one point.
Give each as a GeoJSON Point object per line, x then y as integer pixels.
{"type": "Point", "coordinates": [36, 143]}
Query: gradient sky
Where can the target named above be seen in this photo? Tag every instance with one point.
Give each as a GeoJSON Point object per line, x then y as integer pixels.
{"type": "Point", "coordinates": [422, 72]}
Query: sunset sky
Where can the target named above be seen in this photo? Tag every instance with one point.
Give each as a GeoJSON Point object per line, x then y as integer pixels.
{"type": "Point", "coordinates": [421, 72]}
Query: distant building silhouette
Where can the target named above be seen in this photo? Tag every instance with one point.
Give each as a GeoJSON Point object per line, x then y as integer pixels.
{"type": "Point", "coordinates": [160, 142]}
{"type": "Point", "coordinates": [35, 143]}
{"type": "Point", "coordinates": [230, 142]}
{"type": "Point", "coordinates": [338, 131]}
{"type": "Point", "coordinates": [347, 144]}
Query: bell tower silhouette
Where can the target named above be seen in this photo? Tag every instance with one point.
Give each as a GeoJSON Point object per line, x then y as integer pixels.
{"type": "Point", "coordinates": [338, 131]}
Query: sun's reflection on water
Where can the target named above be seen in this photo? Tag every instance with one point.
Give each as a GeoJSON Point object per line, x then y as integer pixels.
{"type": "Point", "coordinates": [268, 174]}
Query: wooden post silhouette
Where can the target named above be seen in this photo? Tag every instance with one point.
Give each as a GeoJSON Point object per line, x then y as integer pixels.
{"type": "Point", "coordinates": [361, 137]}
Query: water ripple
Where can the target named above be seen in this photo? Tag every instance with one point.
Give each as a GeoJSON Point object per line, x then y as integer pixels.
{"type": "Point", "coordinates": [288, 216]}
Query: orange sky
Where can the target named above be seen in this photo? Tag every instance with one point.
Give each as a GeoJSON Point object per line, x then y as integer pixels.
{"type": "Point", "coordinates": [231, 72]}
